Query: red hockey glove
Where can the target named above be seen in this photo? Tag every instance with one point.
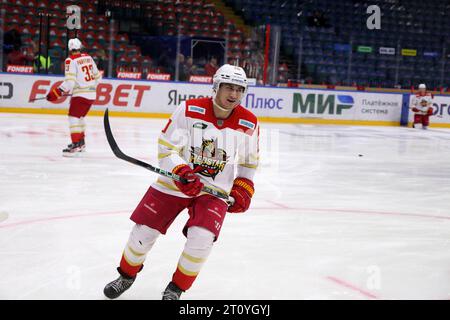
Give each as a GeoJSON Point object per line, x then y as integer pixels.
{"type": "Point", "coordinates": [430, 111]}
{"type": "Point", "coordinates": [194, 186]}
{"type": "Point", "coordinates": [54, 94]}
{"type": "Point", "coordinates": [242, 193]}
{"type": "Point", "coordinates": [415, 109]}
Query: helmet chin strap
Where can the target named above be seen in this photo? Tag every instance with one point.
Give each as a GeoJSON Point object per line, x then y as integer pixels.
{"type": "Point", "coordinates": [219, 107]}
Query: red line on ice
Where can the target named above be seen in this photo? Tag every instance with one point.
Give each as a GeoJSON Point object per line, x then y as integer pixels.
{"type": "Point", "coordinates": [31, 221]}
{"type": "Point", "coordinates": [284, 207]}
{"type": "Point", "coordinates": [84, 156]}
{"type": "Point", "coordinates": [278, 204]}
{"type": "Point", "coordinates": [31, 133]}
{"type": "Point", "coordinates": [352, 287]}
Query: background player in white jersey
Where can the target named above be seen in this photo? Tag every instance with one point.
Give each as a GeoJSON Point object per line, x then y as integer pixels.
{"type": "Point", "coordinates": [81, 78]}
{"type": "Point", "coordinates": [422, 107]}
{"type": "Point", "coordinates": [210, 141]}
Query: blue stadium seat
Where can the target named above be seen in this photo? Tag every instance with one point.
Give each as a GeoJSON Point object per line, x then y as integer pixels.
{"type": "Point", "coordinates": [406, 25]}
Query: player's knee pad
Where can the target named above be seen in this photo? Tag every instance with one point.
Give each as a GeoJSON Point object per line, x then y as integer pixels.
{"type": "Point", "coordinates": [74, 120]}
{"type": "Point", "coordinates": [139, 244]}
{"type": "Point", "coordinates": [199, 239]}
{"type": "Point", "coordinates": [142, 238]}
{"type": "Point", "coordinates": [198, 246]}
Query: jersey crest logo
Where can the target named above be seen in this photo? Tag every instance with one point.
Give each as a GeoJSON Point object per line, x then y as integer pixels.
{"type": "Point", "coordinates": [246, 124]}
{"type": "Point", "coordinates": [197, 109]}
{"type": "Point", "coordinates": [208, 160]}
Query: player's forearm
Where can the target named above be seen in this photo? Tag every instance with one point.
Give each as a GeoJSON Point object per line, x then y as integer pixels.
{"type": "Point", "coordinates": [168, 161]}
{"type": "Point", "coordinates": [67, 85]}
{"type": "Point", "coordinates": [247, 166]}
{"type": "Point", "coordinates": [169, 154]}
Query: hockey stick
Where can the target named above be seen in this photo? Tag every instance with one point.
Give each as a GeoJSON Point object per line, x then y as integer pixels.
{"type": "Point", "coordinates": [119, 154]}
{"type": "Point", "coordinates": [42, 98]}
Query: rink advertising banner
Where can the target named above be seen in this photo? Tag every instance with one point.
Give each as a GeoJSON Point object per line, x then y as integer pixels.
{"type": "Point", "coordinates": [129, 75]}
{"type": "Point", "coordinates": [19, 69]}
{"type": "Point", "coordinates": [387, 50]}
{"type": "Point", "coordinates": [324, 104]}
{"type": "Point", "coordinates": [200, 79]}
{"type": "Point", "coordinates": [159, 76]}
{"type": "Point", "coordinates": [126, 95]}
{"type": "Point", "coordinates": [431, 54]}
{"type": "Point", "coordinates": [409, 52]}
{"type": "Point", "coordinates": [6, 91]}
{"type": "Point", "coordinates": [364, 49]}
{"type": "Point", "coordinates": [161, 98]}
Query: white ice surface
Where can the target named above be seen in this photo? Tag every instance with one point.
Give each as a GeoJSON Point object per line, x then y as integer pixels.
{"type": "Point", "coordinates": [325, 223]}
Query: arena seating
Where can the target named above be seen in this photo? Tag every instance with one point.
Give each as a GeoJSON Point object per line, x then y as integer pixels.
{"type": "Point", "coordinates": [415, 24]}
{"type": "Point", "coordinates": [340, 51]}
{"type": "Point", "coordinates": [94, 34]}
{"type": "Point", "coordinates": [195, 18]}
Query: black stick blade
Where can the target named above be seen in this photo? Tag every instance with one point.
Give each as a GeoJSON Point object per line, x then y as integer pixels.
{"type": "Point", "coordinates": [115, 148]}
{"type": "Point", "coordinates": [112, 142]}
{"type": "Point", "coordinates": [119, 154]}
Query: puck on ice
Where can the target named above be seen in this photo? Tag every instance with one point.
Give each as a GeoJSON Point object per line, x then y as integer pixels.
{"type": "Point", "coordinates": [360, 155]}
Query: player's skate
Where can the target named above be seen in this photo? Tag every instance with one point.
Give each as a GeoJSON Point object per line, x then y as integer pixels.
{"type": "Point", "coordinates": [172, 292]}
{"type": "Point", "coordinates": [74, 149]}
{"type": "Point", "coordinates": [115, 288]}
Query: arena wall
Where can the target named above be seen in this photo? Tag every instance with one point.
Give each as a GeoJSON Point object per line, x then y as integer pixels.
{"type": "Point", "coordinates": [139, 98]}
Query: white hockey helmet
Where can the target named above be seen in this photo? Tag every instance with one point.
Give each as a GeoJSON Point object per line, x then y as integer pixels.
{"type": "Point", "coordinates": [229, 74]}
{"type": "Point", "coordinates": [74, 44]}
{"type": "Point", "coordinates": [422, 86]}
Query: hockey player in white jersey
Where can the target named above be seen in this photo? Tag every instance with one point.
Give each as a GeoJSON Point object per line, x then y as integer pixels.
{"type": "Point", "coordinates": [422, 107]}
{"type": "Point", "coordinates": [81, 78]}
{"type": "Point", "coordinates": [211, 141]}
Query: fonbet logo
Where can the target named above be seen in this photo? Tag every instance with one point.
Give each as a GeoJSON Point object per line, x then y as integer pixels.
{"type": "Point", "coordinates": [320, 103]}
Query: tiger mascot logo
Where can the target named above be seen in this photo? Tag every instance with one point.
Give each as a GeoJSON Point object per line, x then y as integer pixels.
{"type": "Point", "coordinates": [208, 160]}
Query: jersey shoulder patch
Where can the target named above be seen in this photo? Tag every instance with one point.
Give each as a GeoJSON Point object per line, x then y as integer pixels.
{"type": "Point", "coordinates": [247, 124]}
{"type": "Point", "coordinates": [246, 118]}
{"type": "Point", "coordinates": [197, 109]}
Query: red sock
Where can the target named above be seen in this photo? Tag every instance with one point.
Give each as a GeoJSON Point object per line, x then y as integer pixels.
{"type": "Point", "coordinates": [76, 137]}
{"type": "Point", "coordinates": [128, 269]}
{"type": "Point", "coordinates": [182, 280]}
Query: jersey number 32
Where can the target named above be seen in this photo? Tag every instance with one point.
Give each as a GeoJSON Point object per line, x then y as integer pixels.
{"type": "Point", "coordinates": [88, 72]}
